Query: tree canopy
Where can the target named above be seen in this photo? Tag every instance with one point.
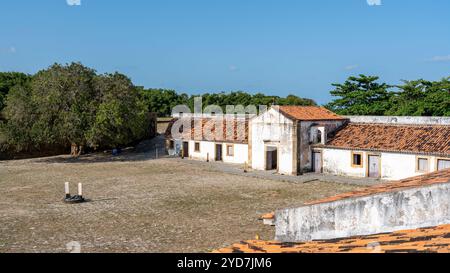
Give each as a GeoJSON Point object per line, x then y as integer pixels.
{"type": "Point", "coordinates": [162, 101]}
{"type": "Point", "coordinates": [7, 81]}
{"type": "Point", "coordinates": [71, 106]}
{"type": "Point", "coordinates": [364, 95]}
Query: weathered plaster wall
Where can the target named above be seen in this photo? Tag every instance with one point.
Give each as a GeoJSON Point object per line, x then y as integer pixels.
{"type": "Point", "coordinates": [394, 166]}
{"type": "Point", "coordinates": [401, 120]}
{"type": "Point", "coordinates": [385, 212]}
{"type": "Point", "coordinates": [338, 162]}
{"type": "Point", "coordinates": [305, 151]}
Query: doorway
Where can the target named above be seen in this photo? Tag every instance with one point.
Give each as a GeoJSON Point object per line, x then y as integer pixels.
{"type": "Point", "coordinates": [219, 152]}
{"type": "Point", "coordinates": [317, 162]}
{"type": "Point", "coordinates": [271, 158]}
{"type": "Point", "coordinates": [185, 151]}
{"type": "Point", "coordinates": [374, 166]}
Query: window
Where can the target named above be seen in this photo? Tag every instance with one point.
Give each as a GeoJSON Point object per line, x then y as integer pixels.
{"type": "Point", "coordinates": [230, 150]}
{"type": "Point", "coordinates": [171, 145]}
{"type": "Point", "coordinates": [197, 146]}
{"type": "Point", "coordinates": [422, 164]}
{"type": "Point", "coordinates": [443, 164]}
{"type": "Point", "coordinates": [357, 160]}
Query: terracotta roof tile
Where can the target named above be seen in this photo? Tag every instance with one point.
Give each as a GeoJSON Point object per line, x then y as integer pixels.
{"type": "Point", "coordinates": [234, 130]}
{"type": "Point", "coordinates": [308, 113]}
{"type": "Point", "coordinates": [429, 139]}
{"type": "Point", "coordinates": [433, 239]}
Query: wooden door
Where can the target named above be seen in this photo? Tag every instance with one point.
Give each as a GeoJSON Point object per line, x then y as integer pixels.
{"type": "Point", "coordinates": [185, 151]}
{"type": "Point", "coordinates": [218, 152]}
{"type": "Point", "coordinates": [374, 166]}
{"type": "Point", "coordinates": [317, 162]}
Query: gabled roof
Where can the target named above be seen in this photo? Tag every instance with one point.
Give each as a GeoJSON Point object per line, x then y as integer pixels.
{"type": "Point", "coordinates": [204, 129]}
{"type": "Point", "coordinates": [307, 113]}
{"type": "Point", "coordinates": [432, 239]}
{"type": "Point", "coordinates": [425, 139]}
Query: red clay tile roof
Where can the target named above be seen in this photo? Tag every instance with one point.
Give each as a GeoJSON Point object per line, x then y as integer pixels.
{"type": "Point", "coordinates": [308, 113]}
{"type": "Point", "coordinates": [412, 182]}
{"type": "Point", "coordinates": [235, 130]}
{"type": "Point", "coordinates": [426, 139]}
{"type": "Point", "coordinates": [408, 183]}
{"type": "Point", "coordinates": [433, 239]}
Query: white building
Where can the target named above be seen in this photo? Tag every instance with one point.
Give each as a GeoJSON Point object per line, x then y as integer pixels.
{"type": "Point", "coordinates": [209, 139]}
{"type": "Point", "coordinates": [281, 138]}
{"type": "Point", "coordinates": [386, 151]}
{"type": "Point", "coordinates": [296, 139]}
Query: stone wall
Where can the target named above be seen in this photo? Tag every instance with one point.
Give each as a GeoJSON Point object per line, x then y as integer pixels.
{"type": "Point", "coordinates": [383, 212]}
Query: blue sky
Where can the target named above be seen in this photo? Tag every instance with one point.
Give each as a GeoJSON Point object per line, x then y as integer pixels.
{"type": "Point", "coordinates": [194, 46]}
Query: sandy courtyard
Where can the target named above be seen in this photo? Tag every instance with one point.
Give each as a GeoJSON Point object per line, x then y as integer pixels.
{"type": "Point", "coordinates": [138, 205]}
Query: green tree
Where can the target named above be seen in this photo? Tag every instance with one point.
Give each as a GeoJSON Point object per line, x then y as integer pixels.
{"type": "Point", "coordinates": [65, 103]}
{"type": "Point", "coordinates": [122, 115]}
{"type": "Point", "coordinates": [20, 116]}
{"type": "Point", "coordinates": [422, 98]}
{"type": "Point", "coordinates": [361, 95]}
{"type": "Point", "coordinates": [71, 106]}
{"type": "Point", "coordinates": [7, 81]}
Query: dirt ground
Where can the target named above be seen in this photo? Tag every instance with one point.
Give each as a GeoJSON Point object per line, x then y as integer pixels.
{"type": "Point", "coordinates": [138, 205]}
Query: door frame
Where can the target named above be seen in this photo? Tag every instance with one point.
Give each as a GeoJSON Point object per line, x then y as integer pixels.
{"type": "Point", "coordinates": [265, 156]}
{"type": "Point", "coordinates": [221, 151]}
{"type": "Point", "coordinates": [187, 150]}
{"type": "Point", "coordinates": [368, 164]}
{"type": "Point", "coordinates": [314, 161]}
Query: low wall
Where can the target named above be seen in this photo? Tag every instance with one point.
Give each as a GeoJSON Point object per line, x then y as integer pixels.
{"type": "Point", "coordinates": [383, 212]}
{"type": "Point", "coordinates": [400, 120]}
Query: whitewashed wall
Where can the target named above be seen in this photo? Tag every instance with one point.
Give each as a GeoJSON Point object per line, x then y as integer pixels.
{"type": "Point", "coordinates": [209, 148]}
{"type": "Point", "coordinates": [394, 166]}
{"type": "Point", "coordinates": [240, 154]}
{"type": "Point", "coordinates": [272, 129]}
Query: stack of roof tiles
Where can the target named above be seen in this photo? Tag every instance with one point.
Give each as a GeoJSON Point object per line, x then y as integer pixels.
{"type": "Point", "coordinates": [433, 239]}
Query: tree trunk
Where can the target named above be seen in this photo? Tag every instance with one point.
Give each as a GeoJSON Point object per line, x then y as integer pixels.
{"type": "Point", "coordinates": [74, 150]}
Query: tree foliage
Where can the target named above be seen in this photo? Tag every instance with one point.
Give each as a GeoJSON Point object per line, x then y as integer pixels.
{"type": "Point", "coordinates": [363, 95]}
{"type": "Point", "coordinates": [7, 81]}
{"type": "Point", "coordinates": [72, 106]}
{"type": "Point", "coordinates": [162, 101]}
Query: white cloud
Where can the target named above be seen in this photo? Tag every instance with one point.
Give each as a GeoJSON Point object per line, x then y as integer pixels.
{"type": "Point", "coordinates": [440, 59]}
{"type": "Point", "coordinates": [12, 49]}
{"type": "Point", "coordinates": [351, 67]}
{"type": "Point", "coordinates": [233, 68]}
{"type": "Point", "coordinates": [73, 2]}
{"type": "Point", "coordinates": [374, 2]}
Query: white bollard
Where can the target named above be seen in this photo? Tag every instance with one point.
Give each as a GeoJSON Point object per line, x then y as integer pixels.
{"type": "Point", "coordinates": [67, 189]}
{"type": "Point", "coordinates": [80, 189]}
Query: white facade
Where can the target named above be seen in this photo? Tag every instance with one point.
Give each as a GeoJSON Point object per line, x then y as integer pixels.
{"type": "Point", "coordinates": [208, 151]}
{"type": "Point", "coordinates": [393, 166]}
{"type": "Point", "coordinates": [273, 130]}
